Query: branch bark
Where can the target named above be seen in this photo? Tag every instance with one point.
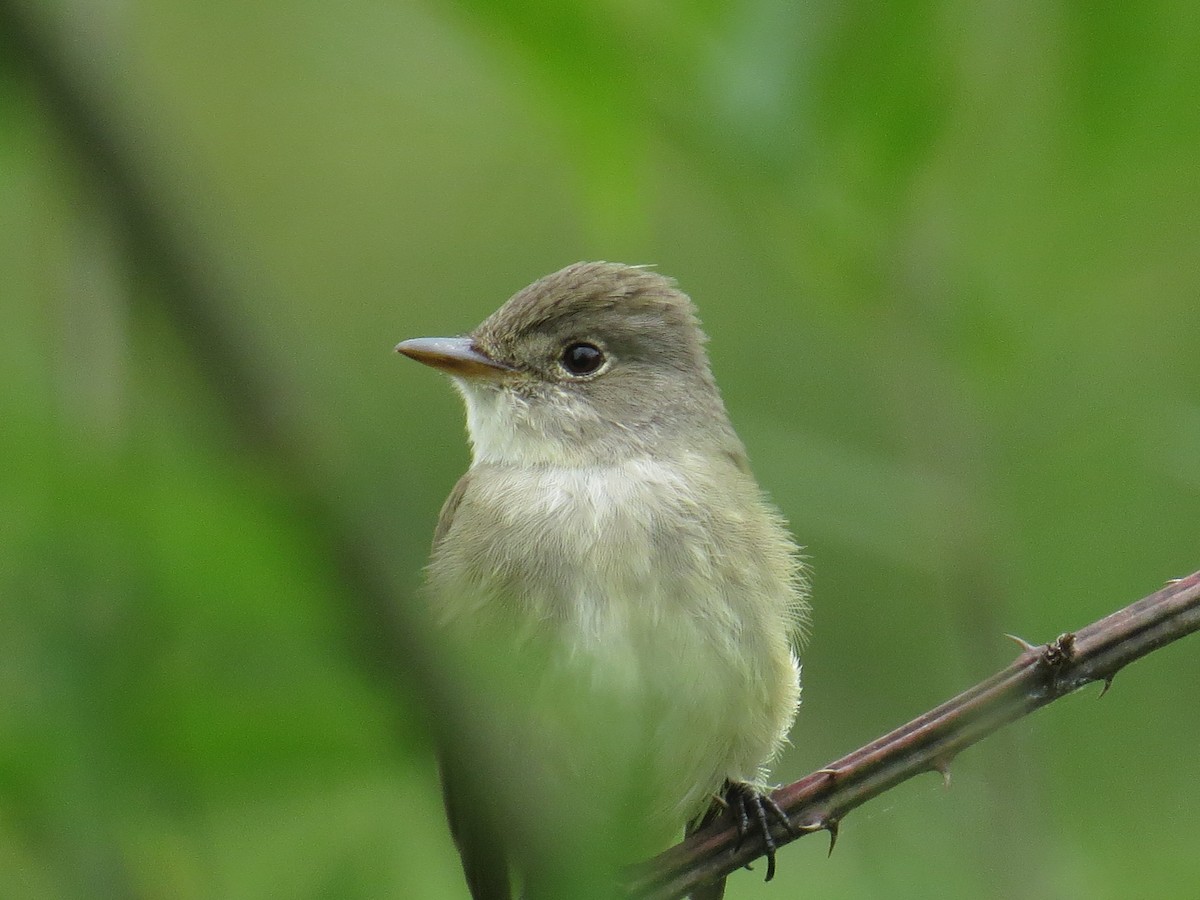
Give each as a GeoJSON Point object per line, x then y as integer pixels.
{"type": "Point", "coordinates": [1039, 676]}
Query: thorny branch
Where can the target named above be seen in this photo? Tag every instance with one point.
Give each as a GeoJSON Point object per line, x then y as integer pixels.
{"type": "Point", "coordinates": [1040, 675]}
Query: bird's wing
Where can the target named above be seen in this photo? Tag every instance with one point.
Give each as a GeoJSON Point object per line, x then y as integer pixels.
{"type": "Point", "coordinates": [483, 854]}
{"type": "Point", "coordinates": [449, 508]}
{"type": "Point", "coordinates": [484, 860]}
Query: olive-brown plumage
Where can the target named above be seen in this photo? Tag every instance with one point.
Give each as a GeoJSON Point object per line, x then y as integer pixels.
{"type": "Point", "coordinates": [609, 528]}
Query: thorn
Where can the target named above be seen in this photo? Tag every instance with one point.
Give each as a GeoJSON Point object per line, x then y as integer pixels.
{"type": "Point", "coordinates": [830, 771]}
{"type": "Point", "coordinates": [1108, 680]}
{"type": "Point", "coordinates": [1171, 581]}
{"type": "Point", "coordinates": [942, 767]}
{"type": "Point", "coordinates": [832, 826]}
{"type": "Point", "coordinates": [1021, 642]}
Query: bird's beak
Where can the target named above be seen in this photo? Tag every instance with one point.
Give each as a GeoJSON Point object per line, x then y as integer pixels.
{"type": "Point", "coordinates": [454, 356]}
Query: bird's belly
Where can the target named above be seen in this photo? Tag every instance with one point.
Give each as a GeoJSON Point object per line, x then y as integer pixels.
{"type": "Point", "coordinates": [622, 581]}
{"type": "Point", "coordinates": [659, 643]}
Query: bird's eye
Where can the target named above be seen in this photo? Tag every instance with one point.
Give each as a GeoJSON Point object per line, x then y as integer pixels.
{"type": "Point", "coordinates": [582, 358]}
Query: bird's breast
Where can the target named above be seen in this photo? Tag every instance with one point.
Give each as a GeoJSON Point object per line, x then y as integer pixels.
{"type": "Point", "coordinates": [666, 584]}
{"type": "Point", "coordinates": [626, 562]}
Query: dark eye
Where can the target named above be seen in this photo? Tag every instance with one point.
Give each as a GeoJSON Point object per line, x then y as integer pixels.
{"type": "Point", "coordinates": [582, 358]}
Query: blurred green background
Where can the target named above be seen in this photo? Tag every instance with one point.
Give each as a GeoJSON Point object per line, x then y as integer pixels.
{"type": "Point", "coordinates": [947, 254]}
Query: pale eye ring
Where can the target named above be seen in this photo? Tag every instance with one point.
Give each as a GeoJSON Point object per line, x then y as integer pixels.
{"type": "Point", "coordinates": [581, 358]}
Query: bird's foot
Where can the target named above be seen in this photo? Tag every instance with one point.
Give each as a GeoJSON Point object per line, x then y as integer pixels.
{"type": "Point", "coordinates": [753, 810]}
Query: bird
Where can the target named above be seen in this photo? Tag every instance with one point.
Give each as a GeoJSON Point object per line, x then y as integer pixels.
{"type": "Point", "coordinates": [610, 544]}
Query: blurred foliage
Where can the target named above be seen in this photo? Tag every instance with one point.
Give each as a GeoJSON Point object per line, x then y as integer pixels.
{"type": "Point", "coordinates": [946, 253]}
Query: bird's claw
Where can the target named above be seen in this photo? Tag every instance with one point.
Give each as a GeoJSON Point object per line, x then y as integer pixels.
{"type": "Point", "coordinates": [753, 809]}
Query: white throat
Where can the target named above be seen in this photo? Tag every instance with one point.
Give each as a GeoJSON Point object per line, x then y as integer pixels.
{"type": "Point", "coordinates": [506, 428]}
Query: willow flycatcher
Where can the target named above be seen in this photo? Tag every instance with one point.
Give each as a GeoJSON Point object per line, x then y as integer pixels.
{"type": "Point", "coordinates": [610, 541]}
